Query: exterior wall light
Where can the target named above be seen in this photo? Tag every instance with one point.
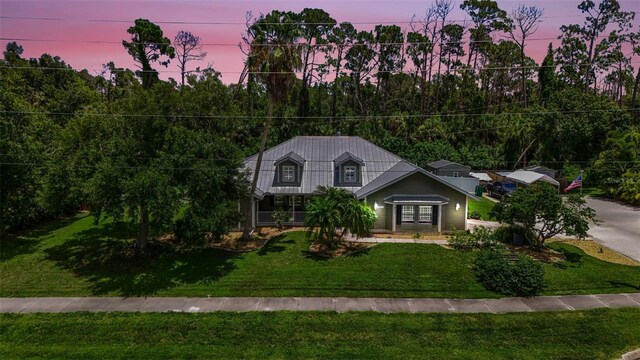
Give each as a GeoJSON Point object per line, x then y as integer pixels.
{"type": "Point", "coordinates": [457, 206]}
{"type": "Point", "coordinates": [377, 207]}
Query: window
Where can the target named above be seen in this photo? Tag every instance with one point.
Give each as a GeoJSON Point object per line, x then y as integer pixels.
{"type": "Point", "coordinates": [278, 200]}
{"type": "Point", "coordinates": [288, 173]}
{"type": "Point", "coordinates": [455, 174]}
{"type": "Point", "coordinates": [349, 174]}
{"type": "Point", "coordinates": [295, 200]}
{"type": "Point", "coordinates": [425, 214]}
{"type": "Point", "coordinates": [407, 214]}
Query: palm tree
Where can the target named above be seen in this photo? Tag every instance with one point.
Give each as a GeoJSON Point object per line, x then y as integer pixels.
{"type": "Point", "coordinates": [273, 58]}
{"type": "Point", "coordinates": [334, 208]}
{"type": "Point", "coordinates": [323, 215]}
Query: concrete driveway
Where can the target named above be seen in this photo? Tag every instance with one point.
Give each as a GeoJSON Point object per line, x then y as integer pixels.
{"type": "Point", "coordinates": [618, 228]}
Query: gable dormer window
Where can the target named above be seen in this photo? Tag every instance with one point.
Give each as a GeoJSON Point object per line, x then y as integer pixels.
{"type": "Point", "coordinates": [288, 173]}
{"type": "Point", "coordinates": [289, 170]}
{"type": "Point", "coordinates": [348, 170]}
{"type": "Point", "coordinates": [350, 174]}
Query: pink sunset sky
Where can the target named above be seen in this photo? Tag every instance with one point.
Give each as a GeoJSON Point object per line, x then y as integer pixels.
{"type": "Point", "coordinates": [71, 30]}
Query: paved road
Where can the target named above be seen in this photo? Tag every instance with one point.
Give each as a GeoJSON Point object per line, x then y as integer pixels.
{"type": "Point", "coordinates": [339, 304]}
{"type": "Point", "coordinates": [619, 226]}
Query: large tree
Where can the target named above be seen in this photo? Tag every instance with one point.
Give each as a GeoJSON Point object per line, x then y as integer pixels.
{"type": "Point", "coordinates": [585, 52]}
{"type": "Point", "coordinates": [525, 20]}
{"type": "Point", "coordinates": [540, 210]}
{"type": "Point", "coordinates": [274, 61]}
{"type": "Point", "coordinates": [188, 48]}
{"type": "Point", "coordinates": [147, 46]}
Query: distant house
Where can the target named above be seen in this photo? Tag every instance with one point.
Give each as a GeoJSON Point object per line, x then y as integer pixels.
{"type": "Point", "coordinates": [542, 170]}
{"type": "Point", "coordinates": [448, 168]}
{"type": "Point", "coordinates": [403, 196]}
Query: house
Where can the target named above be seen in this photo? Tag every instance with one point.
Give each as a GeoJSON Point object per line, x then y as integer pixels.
{"type": "Point", "coordinates": [403, 196]}
{"type": "Point", "coordinates": [448, 168]}
{"type": "Point", "coordinates": [542, 170]}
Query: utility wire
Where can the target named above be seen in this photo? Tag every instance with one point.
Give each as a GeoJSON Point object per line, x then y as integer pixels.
{"type": "Point", "coordinates": [374, 73]}
{"type": "Point", "coordinates": [245, 22]}
{"type": "Point", "coordinates": [350, 44]}
{"type": "Point", "coordinates": [347, 117]}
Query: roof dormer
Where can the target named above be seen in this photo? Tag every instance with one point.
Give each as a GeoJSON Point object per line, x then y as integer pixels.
{"type": "Point", "coordinates": [348, 170]}
{"type": "Point", "coordinates": [288, 170]}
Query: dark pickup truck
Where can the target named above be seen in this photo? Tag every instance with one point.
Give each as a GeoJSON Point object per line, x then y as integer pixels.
{"type": "Point", "coordinates": [500, 189]}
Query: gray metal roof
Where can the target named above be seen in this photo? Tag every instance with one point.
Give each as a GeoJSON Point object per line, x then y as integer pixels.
{"type": "Point", "coordinates": [416, 199]}
{"type": "Point", "coordinates": [319, 152]}
{"type": "Point", "coordinates": [347, 156]}
{"type": "Point", "coordinates": [442, 163]}
{"type": "Point", "coordinates": [291, 155]}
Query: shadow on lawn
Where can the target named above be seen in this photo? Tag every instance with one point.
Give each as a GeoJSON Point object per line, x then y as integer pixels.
{"type": "Point", "coordinates": [100, 256]}
{"type": "Point", "coordinates": [274, 245]}
{"type": "Point", "coordinates": [572, 259]}
{"type": "Point", "coordinates": [27, 241]}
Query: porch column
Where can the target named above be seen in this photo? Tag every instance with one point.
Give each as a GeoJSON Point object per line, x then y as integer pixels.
{"type": "Point", "coordinates": [440, 218]}
{"type": "Point", "coordinates": [393, 219]}
{"type": "Point", "coordinates": [293, 210]}
{"type": "Point", "coordinates": [253, 212]}
{"type": "Point", "coordinates": [466, 211]}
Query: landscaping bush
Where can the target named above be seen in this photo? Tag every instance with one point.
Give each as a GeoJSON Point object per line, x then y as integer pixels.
{"type": "Point", "coordinates": [475, 214]}
{"type": "Point", "coordinates": [480, 238]}
{"type": "Point", "coordinates": [280, 217]}
{"type": "Point", "coordinates": [522, 277]}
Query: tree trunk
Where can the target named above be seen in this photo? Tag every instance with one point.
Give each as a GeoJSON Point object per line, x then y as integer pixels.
{"type": "Point", "coordinates": [634, 97]}
{"type": "Point", "coordinates": [143, 230]}
{"type": "Point", "coordinates": [523, 79]}
{"type": "Point", "coordinates": [263, 142]}
{"type": "Point", "coordinates": [335, 87]}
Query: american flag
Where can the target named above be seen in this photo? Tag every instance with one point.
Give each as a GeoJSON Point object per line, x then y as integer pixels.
{"type": "Point", "coordinates": [575, 184]}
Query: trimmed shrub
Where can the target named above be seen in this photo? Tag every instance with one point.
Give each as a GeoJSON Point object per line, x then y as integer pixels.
{"type": "Point", "coordinates": [280, 217]}
{"type": "Point", "coordinates": [480, 238]}
{"type": "Point", "coordinates": [522, 277]}
{"type": "Point", "coordinates": [475, 214]}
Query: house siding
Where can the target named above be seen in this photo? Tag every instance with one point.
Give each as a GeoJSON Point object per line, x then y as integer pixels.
{"type": "Point", "coordinates": [420, 184]}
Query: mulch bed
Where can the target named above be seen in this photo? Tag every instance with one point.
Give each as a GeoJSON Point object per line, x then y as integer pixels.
{"type": "Point", "coordinates": [343, 248]}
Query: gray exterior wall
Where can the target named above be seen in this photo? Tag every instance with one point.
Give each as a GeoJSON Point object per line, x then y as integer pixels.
{"type": "Point", "coordinates": [420, 184]}
{"type": "Point", "coordinates": [448, 170]}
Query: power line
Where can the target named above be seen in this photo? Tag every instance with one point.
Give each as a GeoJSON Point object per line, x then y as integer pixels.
{"type": "Point", "coordinates": [366, 117]}
{"type": "Point", "coordinates": [297, 72]}
{"type": "Point", "coordinates": [176, 22]}
{"type": "Point", "coordinates": [351, 44]}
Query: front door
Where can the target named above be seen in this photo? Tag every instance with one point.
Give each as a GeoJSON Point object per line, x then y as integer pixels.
{"type": "Point", "coordinates": [398, 214]}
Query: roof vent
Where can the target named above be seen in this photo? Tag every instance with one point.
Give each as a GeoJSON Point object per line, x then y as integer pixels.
{"type": "Point", "coordinates": [338, 133]}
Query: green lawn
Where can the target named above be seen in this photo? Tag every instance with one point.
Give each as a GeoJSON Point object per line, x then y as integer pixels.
{"type": "Point", "coordinates": [483, 206]}
{"type": "Point", "coordinates": [598, 334]}
{"type": "Point", "coordinates": [76, 258]}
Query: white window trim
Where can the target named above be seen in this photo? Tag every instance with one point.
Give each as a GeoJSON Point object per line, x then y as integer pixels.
{"type": "Point", "coordinates": [426, 217]}
{"type": "Point", "coordinates": [285, 170]}
{"type": "Point", "coordinates": [455, 174]}
{"type": "Point", "coordinates": [355, 174]}
{"type": "Point", "coordinates": [406, 214]}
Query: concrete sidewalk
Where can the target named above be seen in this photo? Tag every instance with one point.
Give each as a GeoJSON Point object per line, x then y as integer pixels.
{"type": "Point", "coordinates": [338, 304]}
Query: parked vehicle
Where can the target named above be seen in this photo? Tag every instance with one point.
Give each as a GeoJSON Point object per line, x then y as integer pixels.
{"type": "Point", "coordinates": [499, 189]}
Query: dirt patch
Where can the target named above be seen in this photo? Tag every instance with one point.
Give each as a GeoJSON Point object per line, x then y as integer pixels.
{"type": "Point", "coordinates": [545, 255]}
{"type": "Point", "coordinates": [411, 236]}
{"type": "Point", "coordinates": [344, 248]}
{"type": "Point", "coordinates": [599, 251]}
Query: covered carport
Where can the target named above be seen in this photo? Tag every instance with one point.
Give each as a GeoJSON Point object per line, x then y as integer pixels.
{"type": "Point", "coordinates": [526, 178]}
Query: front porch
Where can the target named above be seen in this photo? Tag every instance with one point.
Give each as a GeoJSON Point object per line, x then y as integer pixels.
{"type": "Point", "coordinates": [419, 213]}
{"type": "Point", "coordinates": [293, 205]}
